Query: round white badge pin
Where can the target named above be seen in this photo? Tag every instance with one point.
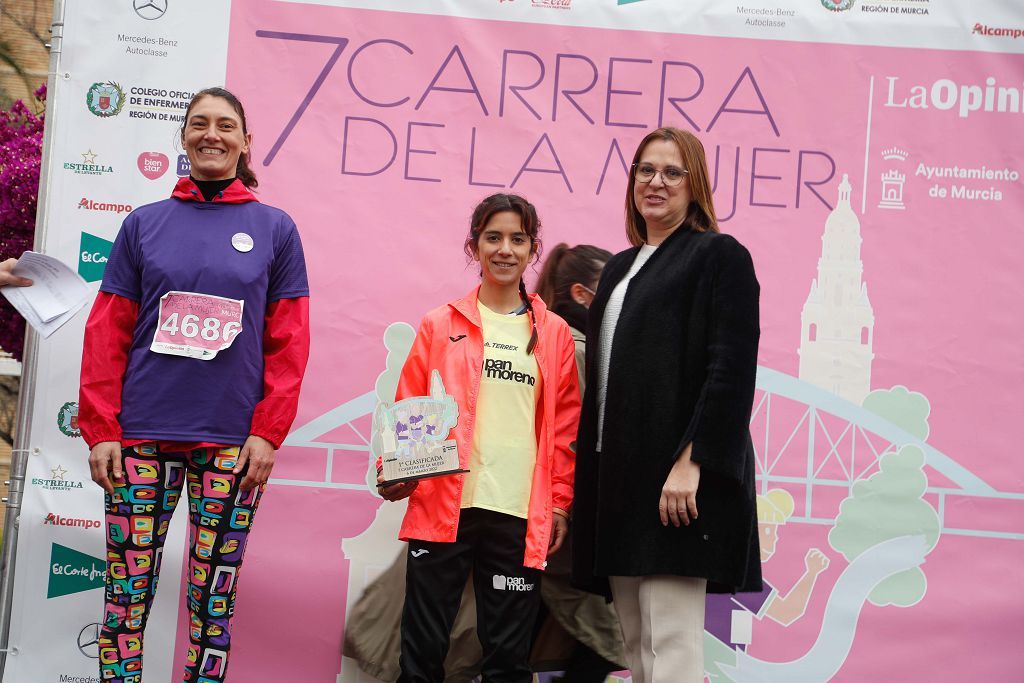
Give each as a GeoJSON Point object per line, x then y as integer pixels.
{"type": "Point", "coordinates": [241, 242]}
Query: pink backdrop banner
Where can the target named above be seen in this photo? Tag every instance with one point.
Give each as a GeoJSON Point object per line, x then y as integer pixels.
{"type": "Point", "coordinates": [379, 131]}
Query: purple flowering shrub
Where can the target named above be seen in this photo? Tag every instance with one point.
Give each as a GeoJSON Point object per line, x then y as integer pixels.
{"type": "Point", "coordinates": [21, 145]}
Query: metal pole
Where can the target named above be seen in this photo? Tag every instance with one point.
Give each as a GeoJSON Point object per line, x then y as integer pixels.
{"type": "Point", "coordinates": [29, 369]}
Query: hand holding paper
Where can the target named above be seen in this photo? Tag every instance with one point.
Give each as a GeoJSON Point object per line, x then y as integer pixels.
{"type": "Point", "coordinates": [56, 295]}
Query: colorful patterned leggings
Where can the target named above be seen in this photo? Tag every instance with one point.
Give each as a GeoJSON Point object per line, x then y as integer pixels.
{"type": "Point", "coordinates": [138, 515]}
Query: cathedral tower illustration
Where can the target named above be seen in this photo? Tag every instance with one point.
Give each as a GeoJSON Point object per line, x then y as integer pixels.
{"type": "Point", "coordinates": [837, 323]}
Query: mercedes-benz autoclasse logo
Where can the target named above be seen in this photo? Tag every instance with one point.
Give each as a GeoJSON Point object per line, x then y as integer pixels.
{"type": "Point", "coordinates": [89, 640]}
{"type": "Point", "coordinates": [150, 9]}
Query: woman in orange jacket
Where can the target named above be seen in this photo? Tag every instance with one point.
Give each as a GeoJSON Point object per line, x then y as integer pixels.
{"type": "Point", "coordinates": [510, 366]}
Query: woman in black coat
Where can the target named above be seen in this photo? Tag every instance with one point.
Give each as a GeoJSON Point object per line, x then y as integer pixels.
{"type": "Point", "coordinates": [665, 502]}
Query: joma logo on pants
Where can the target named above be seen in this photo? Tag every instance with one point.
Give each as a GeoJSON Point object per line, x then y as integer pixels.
{"type": "Point", "coordinates": [511, 583]}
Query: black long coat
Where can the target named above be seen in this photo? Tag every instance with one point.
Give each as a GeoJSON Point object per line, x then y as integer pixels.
{"type": "Point", "coordinates": [682, 370]}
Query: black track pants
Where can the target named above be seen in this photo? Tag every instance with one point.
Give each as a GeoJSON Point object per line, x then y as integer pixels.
{"type": "Point", "coordinates": [491, 545]}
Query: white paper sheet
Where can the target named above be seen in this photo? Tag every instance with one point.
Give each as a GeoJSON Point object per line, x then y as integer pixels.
{"type": "Point", "coordinates": [56, 295]}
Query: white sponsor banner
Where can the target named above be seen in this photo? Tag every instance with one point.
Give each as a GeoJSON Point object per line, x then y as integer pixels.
{"type": "Point", "coordinates": [127, 70]}
{"type": "Point", "coordinates": [980, 25]}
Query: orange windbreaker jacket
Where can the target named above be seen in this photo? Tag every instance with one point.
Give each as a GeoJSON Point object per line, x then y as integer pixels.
{"type": "Point", "coordinates": [450, 340]}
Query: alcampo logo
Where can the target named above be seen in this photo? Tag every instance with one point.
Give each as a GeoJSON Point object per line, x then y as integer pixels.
{"type": "Point", "coordinates": [72, 572]}
{"type": "Point", "coordinates": [983, 30]}
{"type": "Point", "coordinates": [56, 520]}
{"type": "Point", "coordinates": [105, 99]}
{"type": "Point", "coordinates": [94, 252]}
{"type": "Point", "coordinates": [93, 205]}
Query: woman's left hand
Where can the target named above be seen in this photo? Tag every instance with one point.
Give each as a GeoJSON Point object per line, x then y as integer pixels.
{"type": "Point", "coordinates": [559, 530]}
{"type": "Point", "coordinates": [678, 502]}
{"type": "Point", "coordinates": [259, 454]}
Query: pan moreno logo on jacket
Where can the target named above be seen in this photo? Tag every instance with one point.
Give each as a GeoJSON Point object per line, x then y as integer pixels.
{"type": "Point", "coordinates": [503, 370]}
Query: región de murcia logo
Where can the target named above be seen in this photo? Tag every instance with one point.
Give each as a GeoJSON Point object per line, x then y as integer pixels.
{"type": "Point", "coordinates": [105, 99]}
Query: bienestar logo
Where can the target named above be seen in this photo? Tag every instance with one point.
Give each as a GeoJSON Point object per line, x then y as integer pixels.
{"type": "Point", "coordinates": [153, 164]}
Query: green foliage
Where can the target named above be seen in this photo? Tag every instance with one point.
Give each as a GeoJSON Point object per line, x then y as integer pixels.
{"type": "Point", "coordinates": [902, 590]}
{"type": "Point", "coordinates": [21, 142]}
{"type": "Point", "coordinates": [906, 409]}
{"type": "Point", "coordinates": [889, 505]}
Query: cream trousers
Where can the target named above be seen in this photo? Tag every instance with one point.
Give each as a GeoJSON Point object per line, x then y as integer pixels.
{"type": "Point", "coordinates": [662, 621]}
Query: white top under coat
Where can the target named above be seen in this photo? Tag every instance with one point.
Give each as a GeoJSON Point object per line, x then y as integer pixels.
{"type": "Point", "coordinates": [608, 324]}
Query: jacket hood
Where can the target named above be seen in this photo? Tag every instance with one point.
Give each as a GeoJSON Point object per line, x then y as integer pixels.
{"type": "Point", "coordinates": [235, 193]}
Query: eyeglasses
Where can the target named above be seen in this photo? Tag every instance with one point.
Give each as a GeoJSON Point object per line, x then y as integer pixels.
{"type": "Point", "coordinates": [670, 175]}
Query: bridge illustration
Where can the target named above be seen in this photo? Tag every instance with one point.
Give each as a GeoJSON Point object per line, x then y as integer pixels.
{"type": "Point", "coordinates": [832, 442]}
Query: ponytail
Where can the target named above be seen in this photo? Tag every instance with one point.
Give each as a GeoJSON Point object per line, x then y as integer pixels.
{"type": "Point", "coordinates": [244, 173]}
{"type": "Point", "coordinates": [547, 282]}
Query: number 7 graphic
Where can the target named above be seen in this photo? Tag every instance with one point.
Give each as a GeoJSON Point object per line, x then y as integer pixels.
{"type": "Point", "coordinates": [301, 109]}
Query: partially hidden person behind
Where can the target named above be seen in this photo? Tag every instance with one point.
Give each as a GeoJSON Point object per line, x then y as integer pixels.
{"type": "Point", "coordinates": [509, 363]}
{"type": "Point", "coordinates": [194, 354]}
{"type": "Point", "coordinates": [665, 503]}
{"type": "Point", "coordinates": [578, 632]}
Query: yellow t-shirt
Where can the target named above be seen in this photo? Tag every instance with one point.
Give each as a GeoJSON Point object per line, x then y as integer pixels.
{"type": "Point", "coordinates": [505, 438]}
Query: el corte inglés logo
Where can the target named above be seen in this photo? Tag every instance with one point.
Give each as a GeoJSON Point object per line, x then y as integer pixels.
{"type": "Point", "coordinates": [93, 254]}
{"type": "Point", "coordinates": [72, 571]}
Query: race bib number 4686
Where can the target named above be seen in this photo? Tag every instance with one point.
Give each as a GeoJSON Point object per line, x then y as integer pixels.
{"type": "Point", "coordinates": [196, 325]}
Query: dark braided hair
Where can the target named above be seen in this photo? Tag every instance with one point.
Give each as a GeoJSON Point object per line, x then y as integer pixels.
{"type": "Point", "coordinates": [242, 170]}
{"type": "Point", "coordinates": [482, 214]}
